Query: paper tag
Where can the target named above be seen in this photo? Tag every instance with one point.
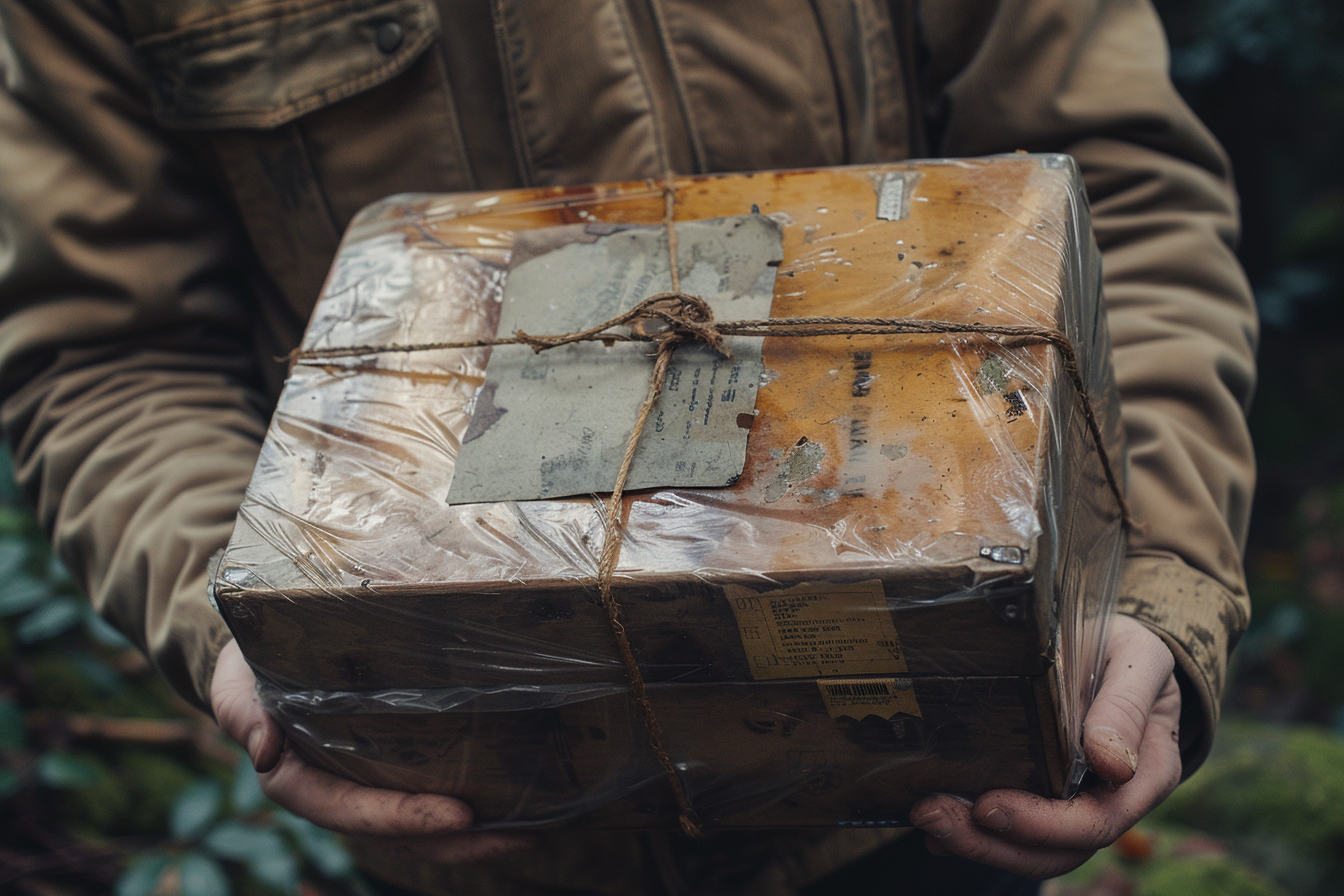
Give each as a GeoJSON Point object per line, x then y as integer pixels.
{"type": "Point", "coordinates": [860, 697]}
{"type": "Point", "coordinates": [815, 630]}
{"type": "Point", "coordinates": [893, 194]}
{"type": "Point", "coordinates": [556, 423]}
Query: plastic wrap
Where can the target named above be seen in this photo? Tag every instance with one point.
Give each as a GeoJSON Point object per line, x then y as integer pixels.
{"type": "Point", "coordinates": [929, 511]}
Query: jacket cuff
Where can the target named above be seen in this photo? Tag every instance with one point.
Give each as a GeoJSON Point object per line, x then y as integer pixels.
{"type": "Point", "coordinates": [1200, 621]}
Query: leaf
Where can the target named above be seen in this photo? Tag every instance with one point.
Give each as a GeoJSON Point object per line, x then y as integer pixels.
{"type": "Point", "coordinates": [65, 772]}
{"type": "Point", "coordinates": [10, 783]}
{"type": "Point", "coordinates": [241, 842]}
{"type": "Point", "coordinates": [141, 877]}
{"type": "Point", "coordinates": [322, 847]}
{"type": "Point", "coordinates": [49, 620]}
{"type": "Point", "coordinates": [57, 574]}
{"type": "Point", "coordinates": [13, 555]}
{"type": "Point", "coordinates": [278, 869]}
{"type": "Point", "coordinates": [96, 672]}
{"type": "Point", "coordinates": [202, 876]}
{"type": "Point", "coordinates": [21, 593]}
{"type": "Point", "coordinates": [105, 634]}
{"type": "Point", "coordinates": [11, 725]}
{"type": "Point", "coordinates": [194, 809]}
{"type": "Point", "coordinates": [246, 796]}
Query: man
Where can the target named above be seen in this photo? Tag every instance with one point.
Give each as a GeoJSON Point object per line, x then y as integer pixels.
{"type": "Point", "coordinates": [174, 177]}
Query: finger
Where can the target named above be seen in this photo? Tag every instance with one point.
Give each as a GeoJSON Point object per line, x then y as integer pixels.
{"type": "Point", "coordinates": [1137, 667]}
{"type": "Point", "coordinates": [341, 805]}
{"type": "Point", "coordinates": [949, 821]}
{"type": "Point", "coordinates": [1098, 817]}
{"type": "Point", "coordinates": [471, 847]}
{"type": "Point", "coordinates": [238, 712]}
{"type": "Point", "coordinates": [935, 846]}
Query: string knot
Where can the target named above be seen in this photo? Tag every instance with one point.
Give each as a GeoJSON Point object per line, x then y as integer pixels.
{"type": "Point", "coordinates": [670, 318]}
{"type": "Point", "coordinates": [666, 320]}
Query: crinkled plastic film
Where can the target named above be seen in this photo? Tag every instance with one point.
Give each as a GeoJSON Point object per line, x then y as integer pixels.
{"type": "Point", "coordinates": [952, 501]}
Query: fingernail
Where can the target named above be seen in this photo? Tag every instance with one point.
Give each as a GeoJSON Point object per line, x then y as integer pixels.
{"type": "Point", "coordinates": [254, 741]}
{"type": "Point", "coordinates": [1116, 746]}
{"type": "Point", "coordinates": [996, 819]}
{"type": "Point", "coordinates": [932, 820]}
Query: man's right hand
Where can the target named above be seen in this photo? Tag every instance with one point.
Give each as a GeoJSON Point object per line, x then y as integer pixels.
{"type": "Point", "coordinates": [415, 825]}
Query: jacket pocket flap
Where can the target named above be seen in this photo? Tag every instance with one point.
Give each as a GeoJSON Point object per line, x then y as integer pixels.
{"type": "Point", "coordinates": [267, 65]}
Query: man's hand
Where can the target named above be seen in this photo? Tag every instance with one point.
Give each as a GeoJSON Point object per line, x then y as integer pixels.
{"type": "Point", "coordinates": [1129, 738]}
{"type": "Point", "coordinates": [422, 826]}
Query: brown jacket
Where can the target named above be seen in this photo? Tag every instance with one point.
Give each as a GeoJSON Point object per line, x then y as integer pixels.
{"type": "Point", "coordinates": [175, 175]}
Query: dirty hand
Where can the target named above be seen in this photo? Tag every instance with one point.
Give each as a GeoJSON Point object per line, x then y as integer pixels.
{"type": "Point", "coordinates": [1129, 738]}
{"type": "Point", "coordinates": [422, 826]}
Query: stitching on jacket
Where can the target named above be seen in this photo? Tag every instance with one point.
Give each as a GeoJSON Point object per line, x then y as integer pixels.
{"type": "Point", "coordinates": [637, 62]}
{"type": "Point", "coordinates": [456, 142]}
{"type": "Point", "coordinates": [279, 12]}
{"type": "Point", "coordinates": [503, 37]}
{"type": "Point", "coordinates": [698, 157]}
{"type": "Point", "coordinates": [338, 90]}
{"type": "Point", "coordinates": [316, 96]}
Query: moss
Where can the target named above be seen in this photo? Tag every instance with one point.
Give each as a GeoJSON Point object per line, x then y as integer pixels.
{"type": "Point", "coordinates": [1205, 876]}
{"type": "Point", "coordinates": [1264, 782]}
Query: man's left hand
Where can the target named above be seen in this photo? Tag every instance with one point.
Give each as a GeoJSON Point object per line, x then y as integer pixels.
{"type": "Point", "coordinates": [1130, 741]}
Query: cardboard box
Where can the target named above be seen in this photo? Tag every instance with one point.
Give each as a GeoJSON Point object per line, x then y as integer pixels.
{"type": "Point", "coordinates": [902, 590]}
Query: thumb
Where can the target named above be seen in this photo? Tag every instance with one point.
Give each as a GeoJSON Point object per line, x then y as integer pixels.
{"type": "Point", "coordinates": [1137, 667]}
{"type": "Point", "coordinates": [238, 712]}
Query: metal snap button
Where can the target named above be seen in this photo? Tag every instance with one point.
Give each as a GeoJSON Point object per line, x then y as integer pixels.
{"type": "Point", "coordinates": [389, 36]}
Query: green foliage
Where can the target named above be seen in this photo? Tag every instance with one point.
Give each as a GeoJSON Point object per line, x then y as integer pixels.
{"type": "Point", "coordinates": [210, 830]}
{"type": "Point", "coordinates": [63, 771]}
{"type": "Point", "coordinates": [151, 783]}
{"type": "Point", "coordinates": [194, 809]}
{"type": "Point", "coordinates": [1268, 783]}
{"type": "Point", "coordinates": [53, 616]}
{"type": "Point", "coordinates": [202, 875]}
{"type": "Point", "coordinates": [142, 875]}
{"type": "Point", "coordinates": [11, 725]}
{"type": "Point", "coordinates": [1220, 875]}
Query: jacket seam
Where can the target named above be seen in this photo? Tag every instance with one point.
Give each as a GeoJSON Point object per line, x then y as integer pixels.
{"type": "Point", "coordinates": [905, 23]}
{"type": "Point", "coordinates": [301, 140]}
{"type": "Point", "coordinates": [637, 62]}
{"type": "Point", "coordinates": [315, 98]}
{"type": "Point", "coordinates": [698, 157]}
{"type": "Point", "coordinates": [282, 12]}
{"type": "Point", "coordinates": [842, 111]}
{"type": "Point", "coordinates": [457, 138]}
{"type": "Point", "coordinates": [527, 171]}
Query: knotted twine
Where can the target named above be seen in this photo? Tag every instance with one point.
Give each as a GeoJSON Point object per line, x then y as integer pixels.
{"type": "Point", "coordinates": [669, 319]}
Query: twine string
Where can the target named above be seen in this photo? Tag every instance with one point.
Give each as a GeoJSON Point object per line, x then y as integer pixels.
{"type": "Point", "coordinates": [669, 319]}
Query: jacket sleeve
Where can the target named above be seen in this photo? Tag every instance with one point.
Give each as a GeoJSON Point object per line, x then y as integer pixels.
{"type": "Point", "coordinates": [130, 396]}
{"type": "Point", "coordinates": [1090, 78]}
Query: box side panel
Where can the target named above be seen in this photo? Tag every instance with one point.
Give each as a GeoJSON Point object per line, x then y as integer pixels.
{"type": "Point", "coordinates": [764, 754]}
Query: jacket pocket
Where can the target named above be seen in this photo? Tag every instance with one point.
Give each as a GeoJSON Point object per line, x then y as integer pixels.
{"type": "Point", "coordinates": [269, 63]}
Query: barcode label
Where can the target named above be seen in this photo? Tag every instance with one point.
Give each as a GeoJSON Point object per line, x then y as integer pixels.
{"type": "Point", "coordinates": [858, 689]}
{"type": "Point", "coordinates": [860, 697]}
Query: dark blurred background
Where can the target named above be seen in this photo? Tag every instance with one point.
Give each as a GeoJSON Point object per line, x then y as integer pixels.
{"type": "Point", "coordinates": [109, 784]}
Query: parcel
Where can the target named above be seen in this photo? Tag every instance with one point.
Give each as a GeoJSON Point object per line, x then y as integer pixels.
{"type": "Point", "coordinates": [854, 568]}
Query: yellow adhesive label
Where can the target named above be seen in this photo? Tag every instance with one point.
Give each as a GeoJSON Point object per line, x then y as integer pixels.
{"type": "Point", "coordinates": [859, 697]}
{"type": "Point", "coordinates": [815, 630]}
